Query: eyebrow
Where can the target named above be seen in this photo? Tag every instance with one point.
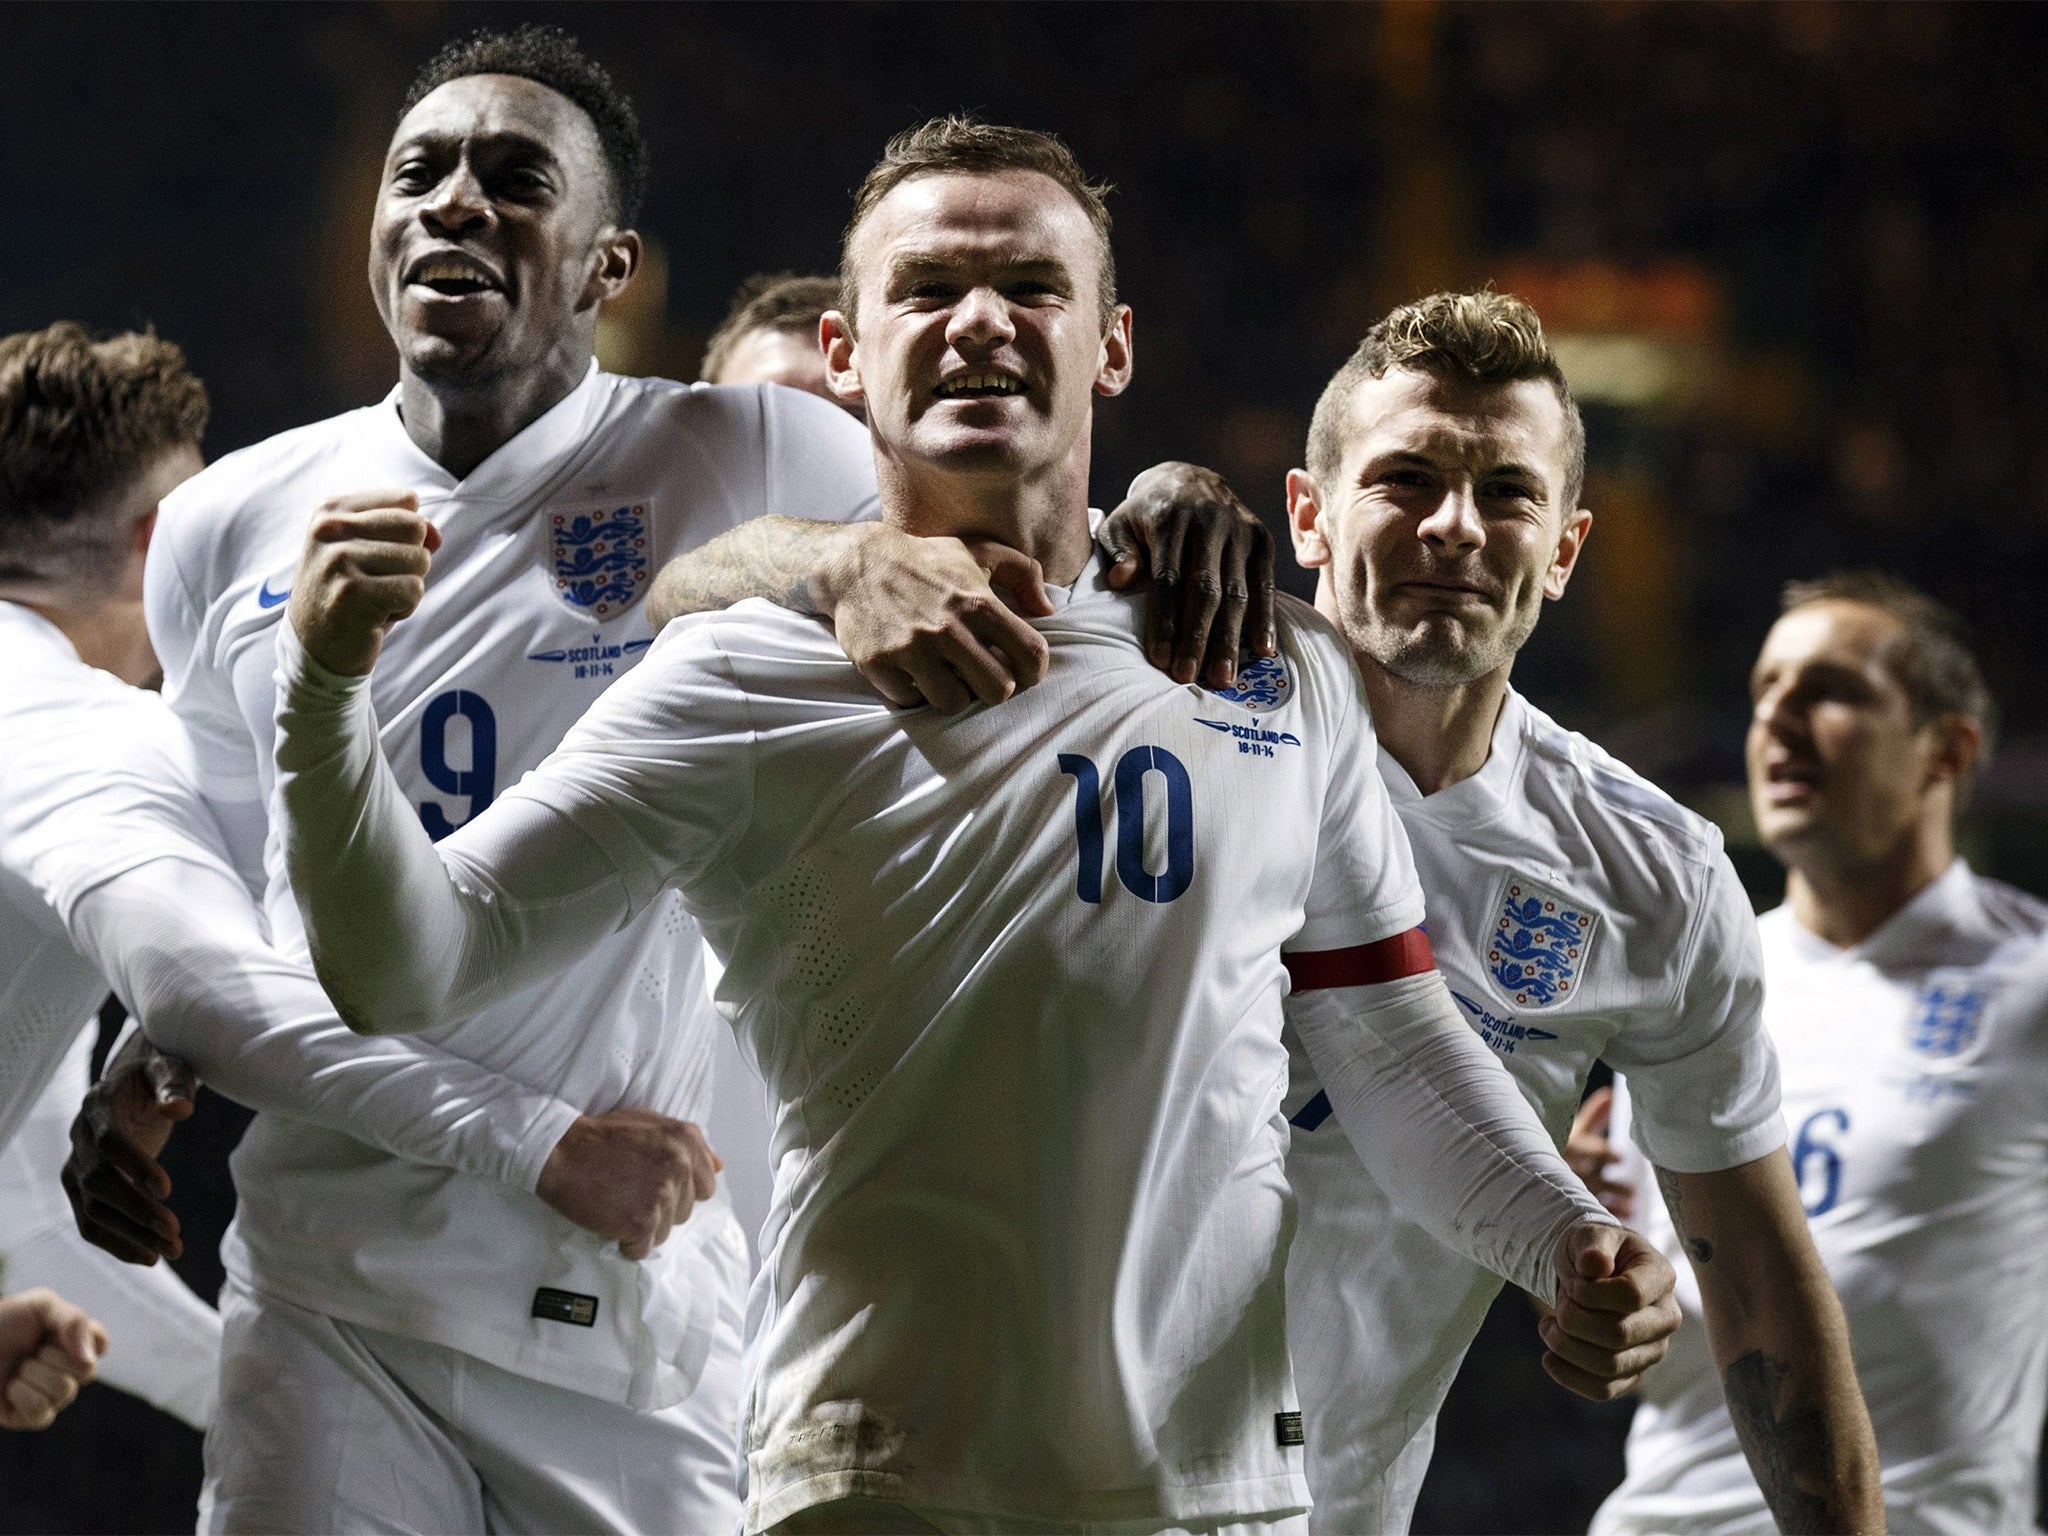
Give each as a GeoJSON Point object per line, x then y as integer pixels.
{"type": "Point", "coordinates": [914, 266]}
{"type": "Point", "coordinates": [1410, 458]}
{"type": "Point", "coordinates": [430, 138]}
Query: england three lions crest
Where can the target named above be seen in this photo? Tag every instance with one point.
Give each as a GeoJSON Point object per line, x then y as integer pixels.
{"type": "Point", "coordinates": [600, 559]}
{"type": "Point", "coordinates": [1948, 1025]}
{"type": "Point", "coordinates": [1537, 950]}
{"type": "Point", "coordinates": [1262, 685]}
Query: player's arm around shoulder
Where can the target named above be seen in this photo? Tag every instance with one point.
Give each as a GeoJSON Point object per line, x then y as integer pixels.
{"type": "Point", "coordinates": [1781, 1343]}
{"type": "Point", "coordinates": [941, 621]}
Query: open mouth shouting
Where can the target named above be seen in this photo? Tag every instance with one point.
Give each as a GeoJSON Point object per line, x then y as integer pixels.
{"type": "Point", "coordinates": [452, 275]}
{"type": "Point", "coordinates": [1789, 781]}
{"type": "Point", "coordinates": [978, 384]}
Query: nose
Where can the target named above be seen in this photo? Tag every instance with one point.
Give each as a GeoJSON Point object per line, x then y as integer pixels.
{"type": "Point", "coordinates": [1774, 713]}
{"type": "Point", "coordinates": [1454, 523]}
{"type": "Point", "coordinates": [981, 320]}
{"type": "Point", "coordinates": [458, 204]}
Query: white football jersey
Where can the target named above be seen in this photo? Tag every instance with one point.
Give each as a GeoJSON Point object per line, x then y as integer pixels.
{"type": "Point", "coordinates": [1577, 913]}
{"type": "Point", "coordinates": [962, 953]}
{"type": "Point", "coordinates": [532, 608]}
{"type": "Point", "coordinates": [1916, 1093]}
{"type": "Point", "coordinates": [95, 779]}
{"type": "Point", "coordinates": [163, 1341]}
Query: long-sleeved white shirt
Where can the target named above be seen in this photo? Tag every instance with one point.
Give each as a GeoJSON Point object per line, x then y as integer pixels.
{"type": "Point", "coordinates": [116, 878]}
{"type": "Point", "coordinates": [548, 548]}
{"type": "Point", "coordinates": [1014, 981]}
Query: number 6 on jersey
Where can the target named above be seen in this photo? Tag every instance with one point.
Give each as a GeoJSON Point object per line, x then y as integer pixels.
{"type": "Point", "coordinates": [1128, 789]}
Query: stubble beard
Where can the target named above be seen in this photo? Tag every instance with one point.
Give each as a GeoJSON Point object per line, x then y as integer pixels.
{"type": "Point", "coordinates": [1441, 653]}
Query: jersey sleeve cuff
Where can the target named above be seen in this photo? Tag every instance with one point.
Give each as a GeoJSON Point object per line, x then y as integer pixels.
{"type": "Point", "coordinates": [307, 681]}
{"type": "Point", "coordinates": [1355, 927]}
{"type": "Point", "coordinates": [537, 1143]}
{"type": "Point", "coordinates": [1689, 1151]}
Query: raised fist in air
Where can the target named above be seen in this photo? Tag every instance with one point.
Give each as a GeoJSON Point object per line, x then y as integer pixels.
{"type": "Point", "coordinates": [363, 569]}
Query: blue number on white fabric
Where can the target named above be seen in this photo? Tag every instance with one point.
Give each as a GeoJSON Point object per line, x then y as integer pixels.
{"type": "Point", "coordinates": [1128, 783]}
{"type": "Point", "coordinates": [479, 780]}
{"type": "Point", "coordinates": [1087, 824]}
{"type": "Point", "coordinates": [1815, 1162]}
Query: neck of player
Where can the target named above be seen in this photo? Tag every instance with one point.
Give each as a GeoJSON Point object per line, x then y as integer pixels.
{"type": "Point", "coordinates": [1846, 898]}
{"type": "Point", "coordinates": [1042, 513]}
{"type": "Point", "coordinates": [459, 425]}
{"type": "Point", "coordinates": [1439, 736]}
{"type": "Point", "coordinates": [109, 635]}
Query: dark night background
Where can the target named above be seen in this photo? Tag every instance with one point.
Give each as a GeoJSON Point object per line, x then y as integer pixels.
{"type": "Point", "coordinates": [1794, 256]}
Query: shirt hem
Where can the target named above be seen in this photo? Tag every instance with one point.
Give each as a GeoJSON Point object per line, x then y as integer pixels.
{"type": "Point", "coordinates": [611, 1384]}
{"type": "Point", "coordinates": [1282, 1495]}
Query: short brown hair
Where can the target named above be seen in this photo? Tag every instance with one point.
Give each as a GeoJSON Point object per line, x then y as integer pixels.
{"type": "Point", "coordinates": [961, 144]}
{"type": "Point", "coordinates": [80, 420]}
{"type": "Point", "coordinates": [1931, 660]}
{"type": "Point", "coordinates": [1483, 338]}
{"type": "Point", "coordinates": [769, 301]}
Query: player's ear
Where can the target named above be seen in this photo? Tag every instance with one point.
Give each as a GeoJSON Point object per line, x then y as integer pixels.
{"type": "Point", "coordinates": [842, 355]}
{"type": "Point", "coordinates": [1113, 377]}
{"type": "Point", "coordinates": [1960, 744]}
{"type": "Point", "coordinates": [1565, 559]}
{"type": "Point", "coordinates": [613, 262]}
{"type": "Point", "coordinates": [1305, 520]}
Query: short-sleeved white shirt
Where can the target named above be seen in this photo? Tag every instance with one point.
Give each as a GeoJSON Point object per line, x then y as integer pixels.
{"type": "Point", "coordinates": [95, 779]}
{"type": "Point", "coordinates": [1916, 1093]}
{"type": "Point", "coordinates": [1577, 913]}
{"type": "Point", "coordinates": [532, 608]}
{"type": "Point", "coordinates": [1013, 979]}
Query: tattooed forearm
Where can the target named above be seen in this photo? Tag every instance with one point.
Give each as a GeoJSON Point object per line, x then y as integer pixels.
{"type": "Point", "coordinates": [773, 557]}
{"type": "Point", "coordinates": [1792, 1452]}
{"type": "Point", "coordinates": [1701, 1250]}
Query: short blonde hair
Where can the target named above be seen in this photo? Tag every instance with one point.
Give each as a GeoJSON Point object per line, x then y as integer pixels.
{"type": "Point", "coordinates": [1483, 337]}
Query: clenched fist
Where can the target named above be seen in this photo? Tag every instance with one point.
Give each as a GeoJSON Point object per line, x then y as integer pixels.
{"type": "Point", "coordinates": [630, 1174]}
{"type": "Point", "coordinates": [363, 569]}
{"type": "Point", "coordinates": [1615, 1311]}
{"type": "Point", "coordinates": [48, 1350]}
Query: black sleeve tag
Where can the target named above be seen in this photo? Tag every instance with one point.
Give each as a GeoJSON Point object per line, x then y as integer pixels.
{"type": "Point", "coordinates": [1287, 1429]}
{"type": "Point", "coordinates": [569, 1307]}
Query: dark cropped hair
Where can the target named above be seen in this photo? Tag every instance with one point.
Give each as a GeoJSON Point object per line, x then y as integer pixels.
{"type": "Point", "coordinates": [1931, 659]}
{"type": "Point", "coordinates": [769, 301]}
{"type": "Point", "coordinates": [961, 144]}
{"type": "Point", "coordinates": [1483, 337]}
{"type": "Point", "coordinates": [551, 57]}
{"type": "Point", "coordinates": [80, 421]}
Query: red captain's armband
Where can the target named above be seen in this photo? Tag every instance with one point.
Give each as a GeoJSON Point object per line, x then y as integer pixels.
{"type": "Point", "coordinates": [1362, 965]}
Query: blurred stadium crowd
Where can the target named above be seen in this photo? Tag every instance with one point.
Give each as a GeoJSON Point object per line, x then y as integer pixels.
{"type": "Point", "coordinates": [1795, 256]}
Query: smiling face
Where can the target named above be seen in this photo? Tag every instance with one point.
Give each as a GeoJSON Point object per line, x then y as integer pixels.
{"type": "Point", "coordinates": [493, 245]}
{"type": "Point", "coordinates": [1841, 774]}
{"type": "Point", "coordinates": [978, 342]}
{"type": "Point", "coordinates": [1445, 527]}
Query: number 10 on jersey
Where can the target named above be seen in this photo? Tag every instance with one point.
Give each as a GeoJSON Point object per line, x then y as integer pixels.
{"type": "Point", "coordinates": [1127, 788]}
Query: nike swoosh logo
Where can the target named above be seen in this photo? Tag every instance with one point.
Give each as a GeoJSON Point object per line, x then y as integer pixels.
{"type": "Point", "coordinates": [265, 598]}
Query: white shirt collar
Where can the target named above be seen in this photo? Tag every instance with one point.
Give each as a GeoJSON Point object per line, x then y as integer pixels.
{"type": "Point", "coordinates": [1925, 927]}
{"type": "Point", "coordinates": [31, 628]}
{"type": "Point", "coordinates": [1946, 906]}
{"type": "Point", "coordinates": [1484, 796]}
{"type": "Point", "coordinates": [519, 464]}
